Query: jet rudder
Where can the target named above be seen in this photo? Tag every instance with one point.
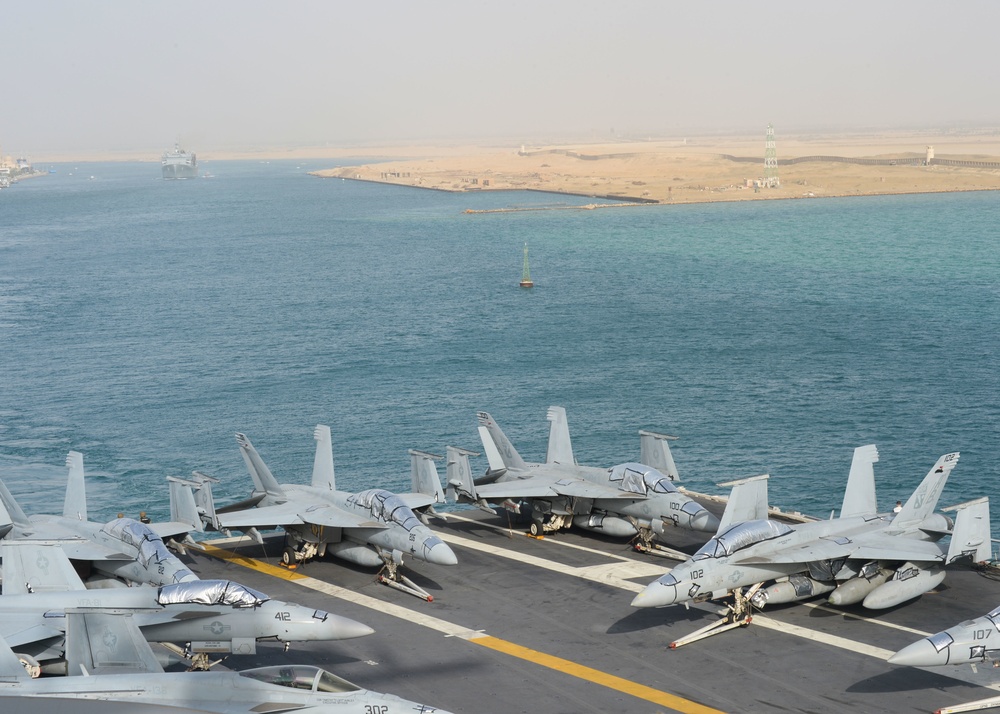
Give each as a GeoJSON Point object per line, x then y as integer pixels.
{"type": "Point", "coordinates": [859, 496]}
{"type": "Point", "coordinates": [560, 449]}
{"type": "Point", "coordinates": [924, 499]}
{"type": "Point", "coordinates": [323, 473]}
{"type": "Point", "coordinates": [14, 515]}
{"type": "Point", "coordinates": [654, 450]}
{"type": "Point", "coordinates": [263, 479]}
{"type": "Point", "coordinates": [505, 449]}
{"type": "Point", "coordinates": [75, 504]}
{"type": "Point", "coordinates": [424, 476]}
{"type": "Point", "coordinates": [461, 487]}
{"type": "Point", "coordinates": [971, 535]}
{"type": "Point", "coordinates": [205, 501]}
{"type": "Point", "coordinates": [747, 501]}
{"type": "Point", "coordinates": [183, 508]}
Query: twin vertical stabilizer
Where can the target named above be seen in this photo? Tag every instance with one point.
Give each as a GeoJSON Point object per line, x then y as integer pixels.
{"type": "Point", "coordinates": [747, 502]}
{"type": "Point", "coordinates": [560, 449]}
{"type": "Point", "coordinates": [654, 450]}
{"type": "Point", "coordinates": [75, 505]}
{"type": "Point", "coordinates": [924, 500]}
{"type": "Point", "coordinates": [263, 479]}
{"type": "Point", "coordinates": [859, 496]}
{"type": "Point", "coordinates": [323, 476]}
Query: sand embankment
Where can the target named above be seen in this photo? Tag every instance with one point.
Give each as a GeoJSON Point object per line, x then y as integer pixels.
{"type": "Point", "coordinates": [699, 170]}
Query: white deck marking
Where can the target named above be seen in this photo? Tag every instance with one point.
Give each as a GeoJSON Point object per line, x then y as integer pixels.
{"type": "Point", "coordinates": [618, 576]}
{"type": "Point", "coordinates": [520, 534]}
{"type": "Point", "coordinates": [614, 574]}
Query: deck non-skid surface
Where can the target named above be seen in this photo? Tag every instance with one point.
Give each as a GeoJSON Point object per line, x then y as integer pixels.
{"type": "Point", "coordinates": [526, 625]}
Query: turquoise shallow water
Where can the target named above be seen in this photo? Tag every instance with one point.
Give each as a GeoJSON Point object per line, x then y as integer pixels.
{"type": "Point", "coordinates": [143, 322]}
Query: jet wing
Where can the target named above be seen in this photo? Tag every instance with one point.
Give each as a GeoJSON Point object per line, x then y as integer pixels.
{"type": "Point", "coordinates": [865, 547]}
{"type": "Point", "coordinates": [414, 501]}
{"type": "Point", "coordinates": [30, 568]}
{"type": "Point", "coordinates": [102, 643]}
{"type": "Point", "coordinates": [284, 514]}
{"type": "Point", "coordinates": [516, 489]}
{"type": "Point", "coordinates": [550, 486]}
{"type": "Point", "coordinates": [818, 549]}
{"type": "Point", "coordinates": [586, 489]}
{"type": "Point", "coordinates": [292, 513]}
{"type": "Point", "coordinates": [171, 528]}
{"type": "Point", "coordinates": [883, 547]}
{"type": "Point", "coordinates": [77, 548]}
{"type": "Point", "coordinates": [23, 629]}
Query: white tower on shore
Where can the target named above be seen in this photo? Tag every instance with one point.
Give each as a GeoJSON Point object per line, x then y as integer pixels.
{"type": "Point", "coordinates": [770, 160]}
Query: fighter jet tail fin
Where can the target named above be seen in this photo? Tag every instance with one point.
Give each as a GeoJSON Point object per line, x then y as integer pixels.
{"type": "Point", "coordinates": [971, 535]}
{"type": "Point", "coordinates": [504, 450]}
{"type": "Point", "coordinates": [204, 501]}
{"type": "Point", "coordinates": [859, 496]}
{"type": "Point", "coordinates": [75, 504]}
{"type": "Point", "coordinates": [654, 450]}
{"type": "Point", "coordinates": [183, 508]}
{"type": "Point", "coordinates": [461, 487]}
{"type": "Point", "coordinates": [424, 476]}
{"type": "Point", "coordinates": [10, 512]}
{"type": "Point", "coordinates": [747, 501]}
{"type": "Point", "coordinates": [103, 643]}
{"type": "Point", "coordinates": [923, 501]}
{"type": "Point", "coordinates": [263, 479]}
{"type": "Point", "coordinates": [323, 476]}
{"type": "Point", "coordinates": [560, 449]}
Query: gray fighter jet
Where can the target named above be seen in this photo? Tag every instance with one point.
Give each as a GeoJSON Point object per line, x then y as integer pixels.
{"type": "Point", "coordinates": [205, 616]}
{"type": "Point", "coordinates": [124, 675]}
{"type": "Point", "coordinates": [971, 642]}
{"type": "Point", "coordinates": [622, 501]}
{"type": "Point", "coordinates": [879, 560]}
{"type": "Point", "coordinates": [372, 528]}
{"type": "Point", "coordinates": [123, 548]}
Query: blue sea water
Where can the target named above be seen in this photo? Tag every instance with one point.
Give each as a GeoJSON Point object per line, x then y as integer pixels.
{"type": "Point", "coordinates": [143, 322]}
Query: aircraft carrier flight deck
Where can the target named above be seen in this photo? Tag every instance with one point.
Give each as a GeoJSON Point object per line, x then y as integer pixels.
{"type": "Point", "coordinates": [544, 625]}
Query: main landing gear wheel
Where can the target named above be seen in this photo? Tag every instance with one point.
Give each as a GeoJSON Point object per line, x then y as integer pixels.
{"type": "Point", "coordinates": [535, 529]}
{"type": "Point", "coordinates": [288, 556]}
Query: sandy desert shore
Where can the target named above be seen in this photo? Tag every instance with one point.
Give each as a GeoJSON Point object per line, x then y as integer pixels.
{"type": "Point", "coordinates": [696, 170]}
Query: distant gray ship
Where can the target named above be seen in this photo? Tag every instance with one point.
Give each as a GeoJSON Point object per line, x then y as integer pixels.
{"type": "Point", "coordinates": [179, 164]}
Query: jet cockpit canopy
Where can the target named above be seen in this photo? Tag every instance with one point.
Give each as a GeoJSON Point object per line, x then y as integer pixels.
{"type": "Point", "coordinates": [387, 507]}
{"type": "Point", "coordinates": [147, 542]}
{"type": "Point", "coordinates": [211, 592]}
{"type": "Point", "coordinates": [641, 479]}
{"type": "Point", "coordinates": [299, 676]}
{"type": "Point", "coordinates": [741, 535]}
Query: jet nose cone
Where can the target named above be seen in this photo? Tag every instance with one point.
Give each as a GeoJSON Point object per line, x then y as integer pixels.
{"type": "Point", "coordinates": [344, 628]}
{"type": "Point", "coordinates": [705, 521]}
{"type": "Point", "coordinates": [656, 594]}
{"type": "Point", "coordinates": [920, 654]}
{"type": "Point", "coordinates": [440, 554]}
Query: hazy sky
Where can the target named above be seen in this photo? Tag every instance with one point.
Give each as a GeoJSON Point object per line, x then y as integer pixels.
{"type": "Point", "coordinates": [131, 75]}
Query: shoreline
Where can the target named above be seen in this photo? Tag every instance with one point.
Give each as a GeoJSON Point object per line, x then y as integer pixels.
{"type": "Point", "coordinates": [703, 170]}
{"type": "Point", "coordinates": [627, 202]}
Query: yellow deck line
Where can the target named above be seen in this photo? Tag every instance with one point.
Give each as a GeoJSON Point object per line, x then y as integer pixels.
{"type": "Point", "coordinates": [596, 676]}
{"type": "Point", "coordinates": [641, 691]}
